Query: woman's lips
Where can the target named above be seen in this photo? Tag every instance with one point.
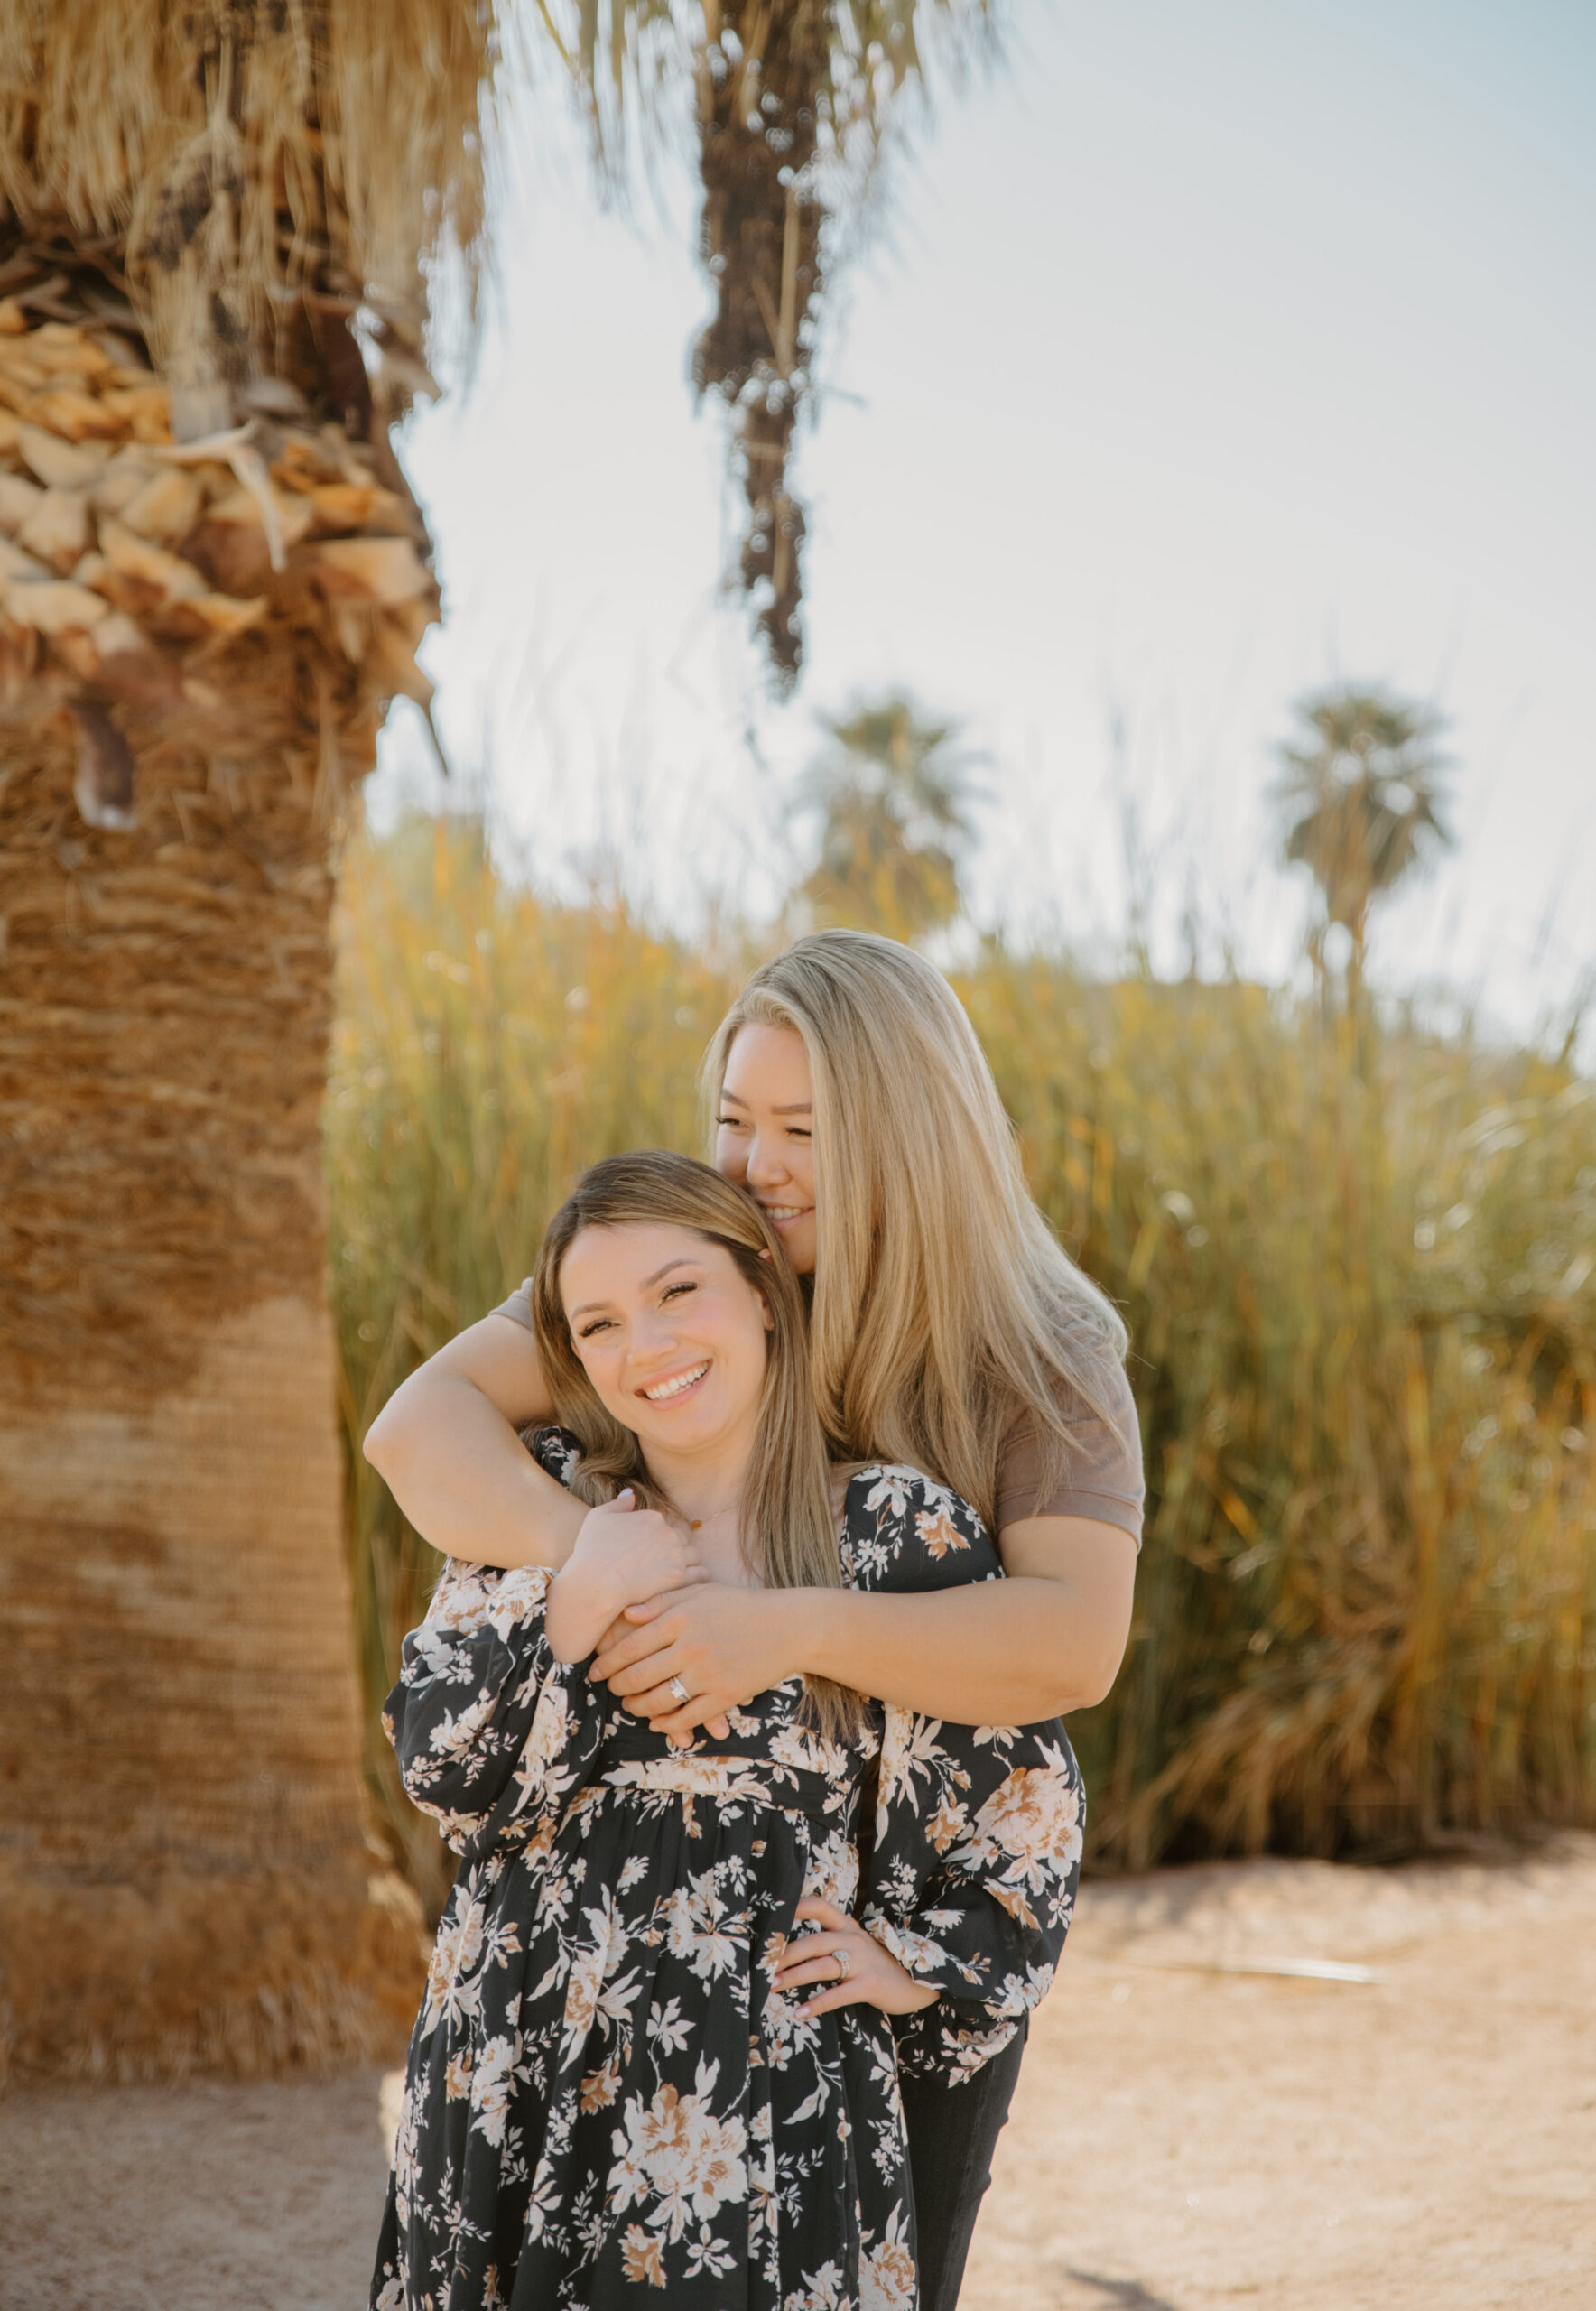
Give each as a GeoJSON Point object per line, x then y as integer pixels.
{"type": "Point", "coordinates": [785, 1215]}
{"type": "Point", "coordinates": [675, 1385]}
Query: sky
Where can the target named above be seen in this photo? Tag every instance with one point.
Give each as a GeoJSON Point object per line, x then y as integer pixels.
{"type": "Point", "coordinates": [1200, 353]}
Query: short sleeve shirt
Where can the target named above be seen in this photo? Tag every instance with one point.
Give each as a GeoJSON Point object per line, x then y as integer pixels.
{"type": "Point", "coordinates": [1102, 1479]}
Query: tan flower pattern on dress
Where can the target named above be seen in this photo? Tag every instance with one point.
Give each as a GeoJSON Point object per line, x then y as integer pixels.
{"type": "Point", "coordinates": [938, 1532]}
{"type": "Point", "coordinates": [607, 2098]}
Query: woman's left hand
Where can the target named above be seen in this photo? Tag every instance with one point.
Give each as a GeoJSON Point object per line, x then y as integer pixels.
{"type": "Point", "coordinates": [874, 1976]}
{"type": "Point", "coordinates": [725, 1644]}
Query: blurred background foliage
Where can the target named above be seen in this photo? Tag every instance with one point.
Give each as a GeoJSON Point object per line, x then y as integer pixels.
{"type": "Point", "coordinates": [1356, 1255]}
{"type": "Point", "coordinates": [892, 796]}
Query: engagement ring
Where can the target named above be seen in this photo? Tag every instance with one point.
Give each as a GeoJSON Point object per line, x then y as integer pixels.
{"type": "Point", "coordinates": [681, 1692]}
{"type": "Point", "coordinates": [842, 1966]}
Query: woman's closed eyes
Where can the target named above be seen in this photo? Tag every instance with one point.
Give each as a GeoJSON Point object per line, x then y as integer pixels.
{"type": "Point", "coordinates": [601, 1324]}
{"type": "Point", "coordinates": [740, 1123]}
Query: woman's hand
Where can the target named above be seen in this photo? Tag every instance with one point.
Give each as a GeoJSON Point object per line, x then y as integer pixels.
{"type": "Point", "coordinates": [636, 1553]}
{"type": "Point", "coordinates": [623, 1556]}
{"type": "Point", "coordinates": [874, 1976]}
{"type": "Point", "coordinates": [725, 1644]}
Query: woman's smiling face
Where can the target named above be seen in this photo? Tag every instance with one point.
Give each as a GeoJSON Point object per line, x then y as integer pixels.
{"type": "Point", "coordinates": [764, 1133]}
{"type": "Point", "coordinates": [672, 1335]}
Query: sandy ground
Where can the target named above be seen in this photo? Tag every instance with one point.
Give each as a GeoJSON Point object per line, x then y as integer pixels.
{"type": "Point", "coordinates": [1189, 2132]}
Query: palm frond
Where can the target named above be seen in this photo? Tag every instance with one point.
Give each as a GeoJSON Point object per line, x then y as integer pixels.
{"type": "Point", "coordinates": [794, 100]}
{"type": "Point", "coordinates": [249, 173]}
{"type": "Point", "coordinates": [1363, 795]}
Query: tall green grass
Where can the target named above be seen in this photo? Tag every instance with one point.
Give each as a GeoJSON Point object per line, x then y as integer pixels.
{"type": "Point", "coordinates": [1361, 1279]}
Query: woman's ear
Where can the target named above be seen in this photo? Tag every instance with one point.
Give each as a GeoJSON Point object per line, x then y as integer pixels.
{"type": "Point", "coordinates": [764, 1255]}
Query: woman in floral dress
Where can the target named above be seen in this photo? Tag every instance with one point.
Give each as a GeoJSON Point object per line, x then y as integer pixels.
{"type": "Point", "coordinates": [630, 2071]}
{"type": "Point", "coordinates": [949, 1332]}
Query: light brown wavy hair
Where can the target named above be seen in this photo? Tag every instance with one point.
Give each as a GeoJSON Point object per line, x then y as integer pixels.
{"type": "Point", "coordinates": [945, 1310]}
{"type": "Point", "coordinates": [788, 1530]}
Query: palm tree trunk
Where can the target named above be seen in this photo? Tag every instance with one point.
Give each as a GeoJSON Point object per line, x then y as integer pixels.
{"type": "Point", "coordinates": [184, 1879]}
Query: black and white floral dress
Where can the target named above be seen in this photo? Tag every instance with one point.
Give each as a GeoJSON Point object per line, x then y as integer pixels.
{"type": "Point", "coordinates": [606, 2096]}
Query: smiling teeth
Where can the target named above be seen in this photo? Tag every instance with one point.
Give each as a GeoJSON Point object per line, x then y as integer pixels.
{"type": "Point", "coordinates": [784, 1211]}
{"type": "Point", "coordinates": [675, 1387]}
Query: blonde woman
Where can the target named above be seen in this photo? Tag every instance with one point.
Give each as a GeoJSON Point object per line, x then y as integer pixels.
{"type": "Point", "coordinates": [628, 2071]}
{"type": "Point", "coordinates": [949, 1330]}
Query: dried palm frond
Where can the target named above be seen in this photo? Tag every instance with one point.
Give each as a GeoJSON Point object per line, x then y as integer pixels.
{"type": "Point", "coordinates": [260, 590]}
{"type": "Point", "coordinates": [197, 202]}
{"type": "Point", "coordinates": [244, 177]}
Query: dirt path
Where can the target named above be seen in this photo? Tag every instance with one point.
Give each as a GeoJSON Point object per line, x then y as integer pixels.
{"type": "Point", "coordinates": [1184, 2136]}
{"type": "Point", "coordinates": [1182, 2140]}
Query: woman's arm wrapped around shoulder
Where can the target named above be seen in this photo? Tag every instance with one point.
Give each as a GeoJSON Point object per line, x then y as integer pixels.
{"type": "Point", "coordinates": [977, 1829]}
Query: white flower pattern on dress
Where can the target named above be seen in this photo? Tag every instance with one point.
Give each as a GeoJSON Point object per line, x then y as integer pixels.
{"type": "Point", "coordinates": [607, 2097]}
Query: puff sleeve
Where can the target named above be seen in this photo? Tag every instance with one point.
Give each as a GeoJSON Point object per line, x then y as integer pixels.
{"type": "Point", "coordinates": [492, 1733]}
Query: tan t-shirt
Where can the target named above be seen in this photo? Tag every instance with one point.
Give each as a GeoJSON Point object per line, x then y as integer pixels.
{"type": "Point", "coordinates": [1103, 1478]}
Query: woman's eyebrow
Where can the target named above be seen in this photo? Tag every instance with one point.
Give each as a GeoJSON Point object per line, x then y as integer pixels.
{"type": "Point", "coordinates": [684, 1260]}
{"type": "Point", "coordinates": [798, 1108]}
{"type": "Point", "coordinates": [588, 1307]}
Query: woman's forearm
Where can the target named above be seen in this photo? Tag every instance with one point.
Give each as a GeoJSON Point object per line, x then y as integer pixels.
{"type": "Point", "coordinates": [1007, 1652]}
{"type": "Point", "coordinates": [465, 1480]}
{"type": "Point", "coordinates": [997, 1653]}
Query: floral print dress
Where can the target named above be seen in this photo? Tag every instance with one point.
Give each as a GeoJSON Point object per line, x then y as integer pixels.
{"type": "Point", "coordinates": [606, 2096]}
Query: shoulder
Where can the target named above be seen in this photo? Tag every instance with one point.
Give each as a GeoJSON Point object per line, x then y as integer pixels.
{"type": "Point", "coordinates": [903, 1530]}
{"type": "Point", "coordinates": [518, 1306]}
{"type": "Point", "coordinates": [1110, 1387]}
{"type": "Point", "coordinates": [1098, 1474]}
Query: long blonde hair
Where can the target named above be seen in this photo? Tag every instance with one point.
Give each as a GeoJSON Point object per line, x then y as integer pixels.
{"type": "Point", "coordinates": [788, 1528]}
{"type": "Point", "coordinates": [945, 1307]}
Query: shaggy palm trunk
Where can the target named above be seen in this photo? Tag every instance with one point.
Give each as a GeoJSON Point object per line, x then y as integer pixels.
{"type": "Point", "coordinates": [216, 223]}
{"type": "Point", "coordinates": [184, 1880]}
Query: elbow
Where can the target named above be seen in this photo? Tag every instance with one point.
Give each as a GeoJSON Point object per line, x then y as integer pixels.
{"type": "Point", "coordinates": [375, 1445]}
{"type": "Point", "coordinates": [1094, 1679]}
{"type": "Point", "coordinates": [1089, 1693]}
{"type": "Point", "coordinates": [383, 1443]}
{"type": "Point", "coordinates": [1076, 1669]}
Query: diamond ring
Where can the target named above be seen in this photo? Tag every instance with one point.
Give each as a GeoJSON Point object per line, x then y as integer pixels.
{"type": "Point", "coordinates": [843, 1967]}
{"type": "Point", "coordinates": [681, 1692]}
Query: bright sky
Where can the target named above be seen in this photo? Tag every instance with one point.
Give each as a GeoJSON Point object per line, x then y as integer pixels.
{"type": "Point", "coordinates": [1211, 351]}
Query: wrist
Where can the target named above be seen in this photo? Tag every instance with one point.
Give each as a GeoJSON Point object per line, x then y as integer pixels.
{"type": "Point", "coordinates": [581, 1604]}
{"type": "Point", "coordinates": [810, 1631]}
{"type": "Point", "coordinates": [555, 1526]}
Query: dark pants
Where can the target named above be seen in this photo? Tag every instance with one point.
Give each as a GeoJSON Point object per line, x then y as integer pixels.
{"type": "Point", "coordinates": [953, 2133]}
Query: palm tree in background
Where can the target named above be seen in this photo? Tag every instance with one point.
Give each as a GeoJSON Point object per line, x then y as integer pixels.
{"type": "Point", "coordinates": [216, 226]}
{"type": "Point", "coordinates": [1362, 794]}
{"type": "Point", "coordinates": [220, 221]}
{"type": "Point", "coordinates": [893, 794]}
{"type": "Point", "coordinates": [793, 100]}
